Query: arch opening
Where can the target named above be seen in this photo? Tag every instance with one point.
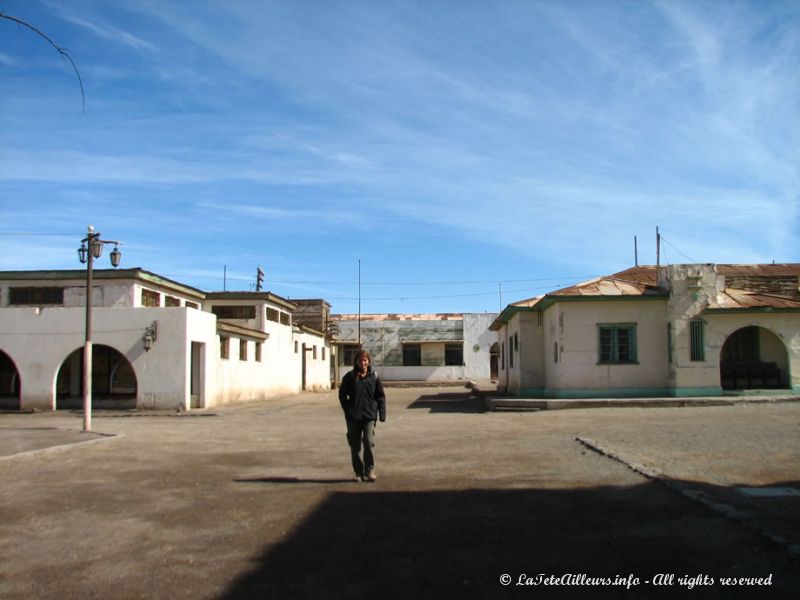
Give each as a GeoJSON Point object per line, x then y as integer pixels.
{"type": "Point", "coordinates": [114, 382]}
{"type": "Point", "coordinates": [754, 358]}
{"type": "Point", "coordinates": [9, 383]}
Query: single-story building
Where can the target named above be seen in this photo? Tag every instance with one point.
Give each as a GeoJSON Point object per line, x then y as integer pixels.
{"type": "Point", "coordinates": [677, 330]}
{"type": "Point", "coordinates": [418, 347]}
{"type": "Point", "coordinates": [157, 343]}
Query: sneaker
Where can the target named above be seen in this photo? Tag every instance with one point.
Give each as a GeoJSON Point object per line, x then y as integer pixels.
{"type": "Point", "coordinates": [358, 478]}
{"type": "Point", "coordinates": [370, 476]}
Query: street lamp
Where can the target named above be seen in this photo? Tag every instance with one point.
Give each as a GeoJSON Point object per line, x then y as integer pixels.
{"type": "Point", "coordinates": [91, 248]}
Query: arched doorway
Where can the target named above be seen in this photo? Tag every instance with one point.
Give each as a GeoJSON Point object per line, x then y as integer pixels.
{"type": "Point", "coordinates": [113, 380]}
{"type": "Point", "coordinates": [754, 358]}
{"type": "Point", "coordinates": [9, 383]}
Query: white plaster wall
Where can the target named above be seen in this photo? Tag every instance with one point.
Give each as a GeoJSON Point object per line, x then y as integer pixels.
{"type": "Point", "coordinates": [576, 328]}
{"type": "Point", "coordinates": [477, 334]}
{"type": "Point", "coordinates": [318, 370]}
{"type": "Point", "coordinates": [38, 340]}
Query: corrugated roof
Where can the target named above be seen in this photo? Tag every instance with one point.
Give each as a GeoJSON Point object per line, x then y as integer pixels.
{"type": "Point", "coordinates": [742, 299]}
{"type": "Point", "coordinates": [608, 286]}
{"type": "Point", "coordinates": [767, 270]}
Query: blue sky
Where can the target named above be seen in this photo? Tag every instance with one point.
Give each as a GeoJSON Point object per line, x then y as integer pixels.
{"type": "Point", "coordinates": [468, 153]}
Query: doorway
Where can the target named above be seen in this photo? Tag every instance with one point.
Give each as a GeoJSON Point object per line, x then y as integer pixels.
{"type": "Point", "coordinates": [9, 383]}
{"type": "Point", "coordinates": [113, 380]}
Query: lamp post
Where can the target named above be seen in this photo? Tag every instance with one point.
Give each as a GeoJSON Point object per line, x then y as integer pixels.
{"type": "Point", "coordinates": [91, 248]}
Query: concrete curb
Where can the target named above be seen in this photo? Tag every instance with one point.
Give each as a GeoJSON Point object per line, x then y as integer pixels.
{"type": "Point", "coordinates": [534, 404]}
{"type": "Point", "coordinates": [725, 510]}
{"type": "Point", "coordinates": [60, 446]}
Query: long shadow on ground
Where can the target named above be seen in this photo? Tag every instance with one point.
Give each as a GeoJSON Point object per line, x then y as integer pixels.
{"type": "Point", "coordinates": [450, 402]}
{"type": "Point", "coordinates": [375, 544]}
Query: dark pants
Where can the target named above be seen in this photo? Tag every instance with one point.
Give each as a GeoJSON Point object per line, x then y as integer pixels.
{"type": "Point", "coordinates": [361, 433]}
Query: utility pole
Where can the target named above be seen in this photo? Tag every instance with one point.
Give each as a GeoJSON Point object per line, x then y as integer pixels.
{"type": "Point", "coordinates": [359, 303]}
{"type": "Point", "coordinates": [259, 278]}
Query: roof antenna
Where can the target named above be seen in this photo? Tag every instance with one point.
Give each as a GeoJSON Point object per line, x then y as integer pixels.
{"type": "Point", "coordinates": [635, 251]}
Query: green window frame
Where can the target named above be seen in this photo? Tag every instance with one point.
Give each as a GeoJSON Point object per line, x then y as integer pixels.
{"type": "Point", "coordinates": [616, 343]}
{"type": "Point", "coordinates": [697, 349]}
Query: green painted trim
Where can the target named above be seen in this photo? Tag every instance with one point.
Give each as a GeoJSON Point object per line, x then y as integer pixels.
{"type": "Point", "coordinates": [689, 392]}
{"type": "Point", "coordinates": [583, 394]}
{"type": "Point", "coordinates": [531, 392]}
{"type": "Point", "coordinates": [508, 313]}
{"type": "Point", "coordinates": [765, 309]}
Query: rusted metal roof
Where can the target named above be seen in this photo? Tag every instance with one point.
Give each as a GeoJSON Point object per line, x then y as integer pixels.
{"type": "Point", "coordinates": [608, 286]}
{"type": "Point", "coordinates": [529, 302]}
{"type": "Point", "coordinates": [742, 299]}
{"type": "Point", "coordinates": [767, 270]}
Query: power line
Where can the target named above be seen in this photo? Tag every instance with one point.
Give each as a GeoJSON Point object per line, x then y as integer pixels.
{"type": "Point", "coordinates": [678, 251]}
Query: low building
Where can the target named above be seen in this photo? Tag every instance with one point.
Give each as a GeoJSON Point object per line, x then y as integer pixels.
{"type": "Point", "coordinates": [157, 343]}
{"type": "Point", "coordinates": [680, 330]}
{"type": "Point", "coordinates": [418, 347]}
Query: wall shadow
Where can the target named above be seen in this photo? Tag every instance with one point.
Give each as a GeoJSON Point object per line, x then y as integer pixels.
{"type": "Point", "coordinates": [450, 402]}
{"type": "Point", "coordinates": [437, 544]}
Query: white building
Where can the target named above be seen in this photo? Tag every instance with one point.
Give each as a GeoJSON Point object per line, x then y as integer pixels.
{"type": "Point", "coordinates": [419, 347]}
{"type": "Point", "coordinates": [681, 330]}
{"type": "Point", "coordinates": [207, 348]}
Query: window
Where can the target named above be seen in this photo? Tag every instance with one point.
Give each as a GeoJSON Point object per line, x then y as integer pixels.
{"type": "Point", "coordinates": [273, 314]}
{"type": "Point", "coordinates": [314, 352]}
{"type": "Point", "coordinates": [36, 295]}
{"type": "Point", "coordinates": [697, 345]}
{"type": "Point", "coordinates": [503, 356]}
{"type": "Point", "coordinates": [454, 355]}
{"type": "Point", "coordinates": [171, 301]}
{"type": "Point", "coordinates": [234, 312]}
{"type": "Point", "coordinates": [555, 352]}
{"type": "Point", "coordinates": [242, 349]}
{"type": "Point", "coordinates": [323, 353]}
{"type": "Point", "coordinates": [349, 354]}
{"type": "Point", "coordinates": [258, 351]}
{"type": "Point", "coordinates": [617, 343]}
{"type": "Point", "coordinates": [516, 342]}
{"type": "Point", "coordinates": [742, 345]}
{"type": "Point", "coordinates": [286, 318]}
{"type": "Point", "coordinates": [296, 347]}
{"type": "Point", "coordinates": [224, 347]}
{"type": "Point", "coordinates": [151, 299]}
{"type": "Point", "coordinates": [193, 305]}
{"type": "Point", "coordinates": [412, 355]}
{"type": "Point", "coordinates": [511, 352]}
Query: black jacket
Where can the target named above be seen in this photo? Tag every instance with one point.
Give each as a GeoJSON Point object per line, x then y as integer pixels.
{"type": "Point", "coordinates": [362, 399]}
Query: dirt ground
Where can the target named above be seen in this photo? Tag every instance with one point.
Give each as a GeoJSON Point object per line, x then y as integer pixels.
{"type": "Point", "coordinates": [255, 501]}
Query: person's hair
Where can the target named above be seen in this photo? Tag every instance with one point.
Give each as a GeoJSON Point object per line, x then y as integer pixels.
{"type": "Point", "coordinates": [359, 354]}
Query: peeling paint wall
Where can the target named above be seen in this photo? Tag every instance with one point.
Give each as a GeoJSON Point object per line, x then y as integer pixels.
{"type": "Point", "coordinates": [384, 336]}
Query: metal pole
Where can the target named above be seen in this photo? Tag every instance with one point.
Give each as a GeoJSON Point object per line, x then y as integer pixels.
{"type": "Point", "coordinates": [87, 347]}
{"type": "Point", "coordinates": [359, 303]}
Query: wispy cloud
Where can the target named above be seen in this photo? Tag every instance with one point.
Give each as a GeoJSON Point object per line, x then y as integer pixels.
{"type": "Point", "coordinates": [496, 135]}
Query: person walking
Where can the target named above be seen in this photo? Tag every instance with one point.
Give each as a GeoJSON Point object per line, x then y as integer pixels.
{"type": "Point", "coordinates": [363, 402]}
